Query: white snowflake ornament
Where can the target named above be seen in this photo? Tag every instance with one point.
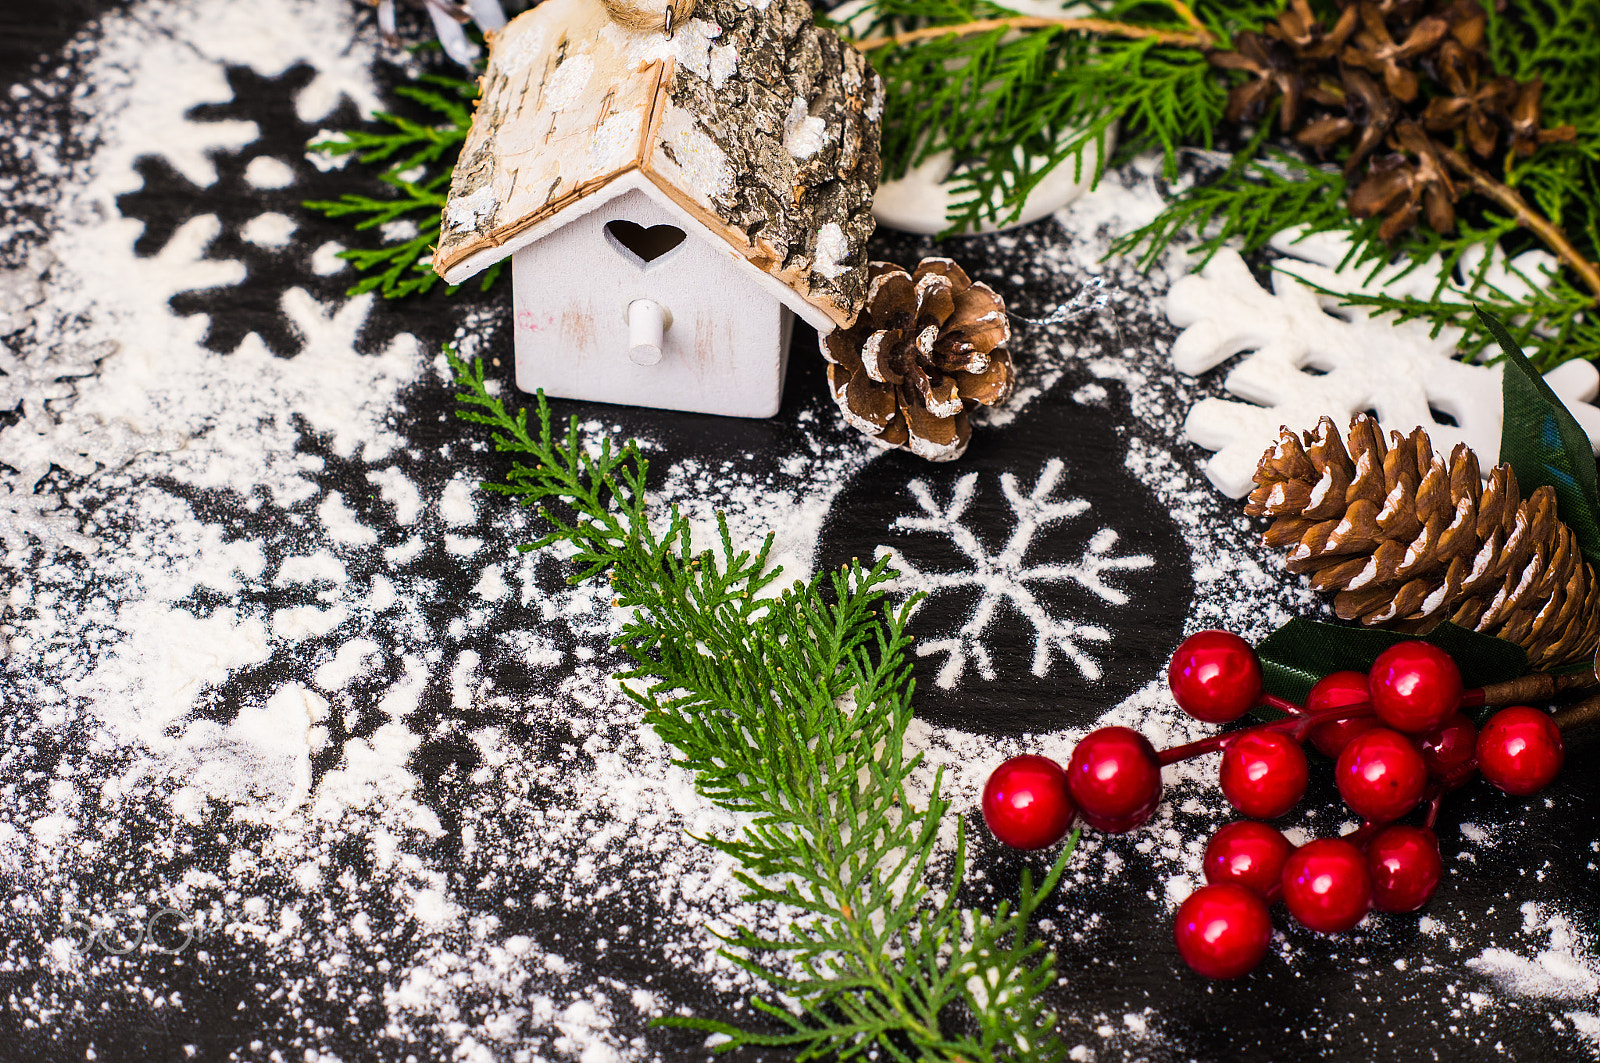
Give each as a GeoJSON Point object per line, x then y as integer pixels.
{"type": "Point", "coordinates": [78, 443]}
{"type": "Point", "coordinates": [1313, 358]}
{"type": "Point", "coordinates": [22, 289]}
{"type": "Point", "coordinates": [45, 375]}
{"type": "Point", "coordinates": [1005, 578]}
{"type": "Point", "coordinates": [26, 515]}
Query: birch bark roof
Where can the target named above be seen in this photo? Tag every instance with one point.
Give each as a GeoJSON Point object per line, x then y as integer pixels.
{"type": "Point", "coordinates": [761, 126]}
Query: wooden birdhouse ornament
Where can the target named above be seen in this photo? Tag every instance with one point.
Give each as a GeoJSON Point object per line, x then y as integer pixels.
{"type": "Point", "coordinates": [670, 195]}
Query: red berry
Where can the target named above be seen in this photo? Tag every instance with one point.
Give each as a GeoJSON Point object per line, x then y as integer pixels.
{"type": "Point", "coordinates": [1337, 690]}
{"type": "Point", "coordinates": [1249, 854]}
{"type": "Point", "coordinates": [1405, 867]}
{"type": "Point", "coordinates": [1264, 773]}
{"type": "Point", "coordinates": [1326, 885]}
{"type": "Point", "coordinates": [1115, 779]}
{"type": "Point", "coordinates": [1381, 776]}
{"type": "Point", "coordinates": [1415, 687]}
{"type": "Point", "coordinates": [1026, 803]}
{"type": "Point", "coordinates": [1215, 676]}
{"type": "Point", "coordinates": [1520, 750]}
{"type": "Point", "coordinates": [1447, 748]}
{"type": "Point", "coordinates": [1222, 931]}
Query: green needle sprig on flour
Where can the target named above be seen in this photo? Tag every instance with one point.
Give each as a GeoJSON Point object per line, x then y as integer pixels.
{"type": "Point", "coordinates": [415, 159]}
{"type": "Point", "coordinates": [1442, 135]}
{"type": "Point", "coordinates": [791, 711]}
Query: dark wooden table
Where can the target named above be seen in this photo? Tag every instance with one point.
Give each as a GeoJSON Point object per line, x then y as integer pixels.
{"type": "Point", "coordinates": [1398, 988]}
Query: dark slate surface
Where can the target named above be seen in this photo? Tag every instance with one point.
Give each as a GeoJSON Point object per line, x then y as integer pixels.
{"type": "Point", "coordinates": [1340, 998]}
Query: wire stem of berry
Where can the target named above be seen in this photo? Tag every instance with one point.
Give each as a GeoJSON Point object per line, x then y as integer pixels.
{"type": "Point", "coordinates": [1530, 689]}
{"type": "Point", "coordinates": [1272, 701]}
{"type": "Point", "coordinates": [1296, 725]}
{"type": "Point", "coordinates": [1456, 777]}
{"type": "Point", "coordinates": [1363, 834]}
{"type": "Point", "coordinates": [1583, 714]}
{"type": "Point", "coordinates": [1435, 800]}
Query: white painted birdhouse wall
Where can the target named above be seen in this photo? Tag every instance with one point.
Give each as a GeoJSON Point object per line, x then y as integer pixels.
{"type": "Point", "coordinates": [723, 350]}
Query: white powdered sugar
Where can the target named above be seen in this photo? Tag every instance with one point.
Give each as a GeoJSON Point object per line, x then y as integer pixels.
{"type": "Point", "coordinates": [301, 685]}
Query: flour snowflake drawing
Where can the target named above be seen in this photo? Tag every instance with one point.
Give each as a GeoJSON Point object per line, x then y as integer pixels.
{"type": "Point", "coordinates": [1007, 577]}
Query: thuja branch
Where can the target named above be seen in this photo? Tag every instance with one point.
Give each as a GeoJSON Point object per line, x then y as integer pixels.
{"type": "Point", "coordinates": [414, 161]}
{"type": "Point", "coordinates": [792, 712]}
{"type": "Point", "coordinates": [1198, 38]}
{"type": "Point", "coordinates": [1434, 132]}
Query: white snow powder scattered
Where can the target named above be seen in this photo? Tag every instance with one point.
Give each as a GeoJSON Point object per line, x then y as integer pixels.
{"type": "Point", "coordinates": [803, 133]}
{"type": "Point", "coordinates": [272, 674]}
{"type": "Point", "coordinates": [270, 230]}
{"type": "Point", "coordinates": [266, 172]}
{"type": "Point", "coordinates": [832, 247]}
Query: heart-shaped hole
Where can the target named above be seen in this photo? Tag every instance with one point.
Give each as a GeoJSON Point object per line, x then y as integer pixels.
{"type": "Point", "coordinates": [646, 245]}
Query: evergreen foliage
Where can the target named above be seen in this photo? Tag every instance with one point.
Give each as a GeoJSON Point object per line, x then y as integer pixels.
{"type": "Point", "coordinates": [1244, 206]}
{"type": "Point", "coordinates": [1012, 96]}
{"type": "Point", "coordinates": [1011, 107]}
{"type": "Point", "coordinates": [415, 160]}
{"type": "Point", "coordinates": [792, 711]}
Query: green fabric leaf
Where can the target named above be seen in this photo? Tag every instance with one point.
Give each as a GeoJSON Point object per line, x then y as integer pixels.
{"type": "Point", "coordinates": [1542, 442]}
{"type": "Point", "coordinates": [1302, 651]}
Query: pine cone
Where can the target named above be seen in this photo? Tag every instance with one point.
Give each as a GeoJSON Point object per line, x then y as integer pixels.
{"type": "Point", "coordinates": [1413, 76]}
{"type": "Point", "coordinates": [927, 347]}
{"type": "Point", "coordinates": [1409, 540]}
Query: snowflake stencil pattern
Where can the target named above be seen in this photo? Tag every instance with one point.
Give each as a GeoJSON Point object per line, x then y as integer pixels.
{"type": "Point", "coordinates": [1005, 577]}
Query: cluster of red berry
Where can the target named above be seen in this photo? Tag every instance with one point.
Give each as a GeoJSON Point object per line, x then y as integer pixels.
{"type": "Point", "coordinates": [1399, 739]}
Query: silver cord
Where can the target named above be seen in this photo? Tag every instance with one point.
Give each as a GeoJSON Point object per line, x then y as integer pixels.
{"type": "Point", "coordinates": [1093, 298]}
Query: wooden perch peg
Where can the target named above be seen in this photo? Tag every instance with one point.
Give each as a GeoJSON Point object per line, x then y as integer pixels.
{"type": "Point", "coordinates": [648, 321]}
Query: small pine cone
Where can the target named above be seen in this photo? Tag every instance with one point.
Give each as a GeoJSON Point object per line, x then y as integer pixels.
{"type": "Point", "coordinates": [1407, 539]}
{"type": "Point", "coordinates": [927, 347]}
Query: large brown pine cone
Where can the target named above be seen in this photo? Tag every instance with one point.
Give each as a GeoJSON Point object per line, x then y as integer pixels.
{"type": "Point", "coordinates": [1409, 540]}
{"type": "Point", "coordinates": [927, 347]}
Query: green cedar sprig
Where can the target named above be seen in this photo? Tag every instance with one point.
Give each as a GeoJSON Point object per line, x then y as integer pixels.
{"type": "Point", "coordinates": [792, 711]}
{"type": "Point", "coordinates": [1012, 97]}
{"type": "Point", "coordinates": [1245, 206]}
{"type": "Point", "coordinates": [1011, 107]}
{"type": "Point", "coordinates": [416, 160]}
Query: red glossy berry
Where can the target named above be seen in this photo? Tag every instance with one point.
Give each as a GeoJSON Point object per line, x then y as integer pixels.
{"type": "Point", "coordinates": [1264, 773]}
{"type": "Point", "coordinates": [1448, 748]}
{"type": "Point", "coordinates": [1405, 867]}
{"type": "Point", "coordinates": [1026, 803]}
{"type": "Point", "coordinates": [1215, 676]}
{"type": "Point", "coordinates": [1381, 775]}
{"type": "Point", "coordinates": [1337, 690]}
{"type": "Point", "coordinates": [1520, 750]}
{"type": "Point", "coordinates": [1115, 779]}
{"type": "Point", "coordinates": [1415, 687]}
{"type": "Point", "coordinates": [1249, 854]}
{"type": "Point", "coordinates": [1222, 931]}
{"type": "Point", "coordinates": [1326, 885]}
